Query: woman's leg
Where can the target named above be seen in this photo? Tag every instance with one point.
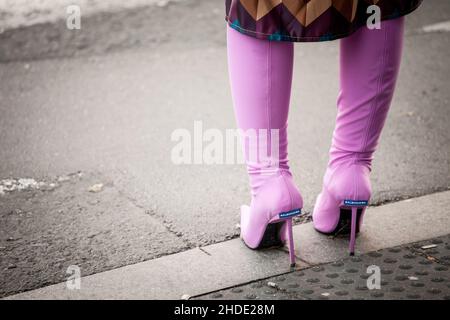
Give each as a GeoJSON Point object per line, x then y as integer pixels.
{"type": "Point", "coordinates": [261, 75]}
{"type": "Point", "coordinates": [369, 65]}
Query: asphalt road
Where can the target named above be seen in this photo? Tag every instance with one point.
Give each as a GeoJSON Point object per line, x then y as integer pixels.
{"type": "Point", "coordinates": [105, 101]}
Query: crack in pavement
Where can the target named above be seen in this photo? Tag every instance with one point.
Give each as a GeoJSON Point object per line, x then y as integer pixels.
{"type": "Point", "coordinates": [159, 218]}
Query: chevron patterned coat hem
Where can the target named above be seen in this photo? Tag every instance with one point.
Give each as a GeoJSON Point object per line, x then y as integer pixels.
{"type": "Point", "coordinates": [311, 20]}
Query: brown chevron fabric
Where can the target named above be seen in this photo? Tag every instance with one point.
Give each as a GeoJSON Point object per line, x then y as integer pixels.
{"type": "Point", "coordinates": [308, 20]}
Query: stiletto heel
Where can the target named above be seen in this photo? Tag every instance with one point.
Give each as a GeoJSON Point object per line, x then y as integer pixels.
{"type": "Point", "coordinates": [353, 232]}
{"type": "Point", "coordinates": [288, 224]}
{"type": "Point", "coordinates": [274, 237]}
{"type": "Point", "coordinates": [290, 238]}
{"type": "Point", "coordinates": [357, 208]}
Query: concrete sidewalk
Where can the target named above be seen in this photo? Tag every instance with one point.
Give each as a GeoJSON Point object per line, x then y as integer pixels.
{"type": "Point", "coordinates": [229, 265]}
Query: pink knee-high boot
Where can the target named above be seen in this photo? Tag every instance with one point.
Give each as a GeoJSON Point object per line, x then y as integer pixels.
{"type": "Point", "coordinates": [369, 66]}
{"type": "Point", "coordinates": [261, 75]}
